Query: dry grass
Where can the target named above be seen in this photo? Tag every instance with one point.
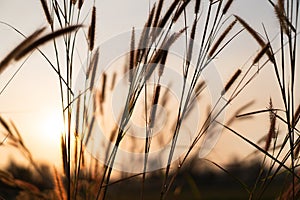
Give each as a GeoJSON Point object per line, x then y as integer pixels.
{"type": "Point", "coordinates": [84, 177]}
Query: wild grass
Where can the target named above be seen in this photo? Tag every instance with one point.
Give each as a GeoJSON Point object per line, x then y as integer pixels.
{"type": "Point", "coordinates": [85, 177]}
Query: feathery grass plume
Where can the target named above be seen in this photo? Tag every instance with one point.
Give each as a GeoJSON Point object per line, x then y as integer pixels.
{"type": "Point", "coordinates": [226, 7]}
{"type": "Point", "coordinates": [102, 97]}
{"type": "Point", "coordinates": [16, 131]}
{"type": "Point", "coordinates": [193, 31]}
{"type": "Point", "coordinates": [221, 38]}
{"type": "Point", "coordinates": [261, 53]}
{"type": "Point", "coordinates": [89, 132]}
{"type": "Point", "coordinates": [144, 38]}
{"type": "Point", "coordinates": [293, 189]}
{"type": "Point", "coordinates": [157, 12]}
{"type": "Point", "coordinates": [80, 3]}
{"type": "Point", "coordinates": [200, 87]}
{"type": "Point", "coordinates": [231, 81]}
{"type": "Point", "coordinates": [296, 116]}
{"type": "Point", "coordinates": [283, 19]}
{"type": "Point", "coordinates": [132, 63]}
{"type": "Point", "coordinates": [160, 52]}
{"type": "Point", "coordinates": [59, 188]}
{"type": "Point", "coordinates": [280, 13]}
{"type": "Point", "coordinates": [165, 97]}
{"type": "Point", "coordinates": [197, 6]}
{"type": "Point", "coordinates": [82, 155]}
{"type": "Point", "coordinates": [64, 154]}
{"type": "Point", "coordinates": [113, 81]}
{"type": "Point", "coordinates": [280, 4]}
{"type": "Point", "coordinates": [168, 14]}
{"type": "Point", "coordinates": [150, 17]}
{"type": "Point", "coordinates": [254, 34]}
{"type": "Point", "coordinates": [154, 106]}
{"type": "Point", "coordinates": [11, 56]}
{"type": "Point", "coordinates": [191, 43]}
{"type": "Point", "coordinates": [5, 125]}
{"type": "Point", "coordinates": [46, 11]}
{"type": "Point", "coordinates": [92, 30]}
{"type": "Point", "coordinates": [272, 131]}
{"type": "Point", "coordinates": [162, 63]}
{"type": "Point", "coordinates": [44, 39]}
{"type": "Point", "coordinates": [180, 10]}
{"type": "Point", "coordinates": [258, 39]}
{"type": "Point", "coordinates": [94, 63]}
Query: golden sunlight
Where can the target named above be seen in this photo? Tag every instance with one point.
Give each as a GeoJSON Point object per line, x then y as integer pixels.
{"type": "Point", "coordinates": [52, 125]}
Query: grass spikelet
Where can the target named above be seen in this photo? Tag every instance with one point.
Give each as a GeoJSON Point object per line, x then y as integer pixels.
{"type": "Point", "coordinates": [227, 6]}
{"type": "Point", "coordinates": [261, 53]}
{"type": "Point", "coordinates": [159, 54]}
{"type": "Point", "coordinates": [90, 127]}
{"type": "Point", "coordinates": [46, 11]}
{"type": "Point", "coordinates": [180, 10]}
{"type": "Point", "coordinates": [157, 12]}
{"type": "Point", "coordinates": [162, 63]}
{"type": "Point", "coordinates": [168, 14]}
{"type": "Point", "coordinates": [144, 39]}
{"type": "Point", "coordinates": [231, 81]}
{"type": "Point", "coordinates": [200, 87]}
{"type": "Point", "coordinates": [272, 131]}
{"type": "Point", "coordinates": [283, 20]}
{"type": "Point", "coordinates": [45, 39]}
{"type": "Point", "coordinates": [92, 30]}
{"type": "Point", "coordinates": [102, 97]}
{"type": "Point", "coordinates": [59, 186]}
{"type": "Point", "coordinates": [82, 156]}
{"type": "Point", "coordinates": [5, 62]}
{"type": "Point", "coordinates": [131, 55]}
{"type": "Point", "coordinates": [254, 34]}
{"type": "Point", "coordinates": [154, 106]}
{"type": "Point", "coordinates": [80, 3]}
{"type": "Point", "coordinates": [150, 17]}
{"type": "Point", "coordinates": [279, 11]}
{"type": "Point", "coordinates": [113, 81]}
{"type": "Point", "coordinates": [191, 43]}
{"type": "Point", "coordinates": [221, 38]}
{"type": "Point", "coordinates": [280, 4]}
{"type": "Point", "coordinates": [94, 63]}
{"type": "Point", "coordinates": [5, 125]}
{"type": "Point", "coordinates": [197, 6]}
{"type": "Point", "coordinates": [64, 154]}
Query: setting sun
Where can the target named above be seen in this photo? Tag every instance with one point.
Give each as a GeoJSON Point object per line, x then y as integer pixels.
{"type": "Point", "coordinates": [52, 125]}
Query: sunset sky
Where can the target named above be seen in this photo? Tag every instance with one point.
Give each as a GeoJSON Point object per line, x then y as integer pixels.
{"type": "Point", "coordinates": [32, 99]}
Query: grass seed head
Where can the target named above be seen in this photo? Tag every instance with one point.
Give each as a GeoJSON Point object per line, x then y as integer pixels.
{"type": "Point", "coordinates": [92, 30]}
{"type": "Point", "coordinates": [231, 81]}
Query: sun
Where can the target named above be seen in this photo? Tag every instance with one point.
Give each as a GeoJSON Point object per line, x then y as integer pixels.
{"type": "Point", "coordinates": [52, 125]}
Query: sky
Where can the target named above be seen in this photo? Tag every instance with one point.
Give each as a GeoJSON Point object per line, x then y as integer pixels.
{"type": "Point", "coordinates": [32, 99]}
